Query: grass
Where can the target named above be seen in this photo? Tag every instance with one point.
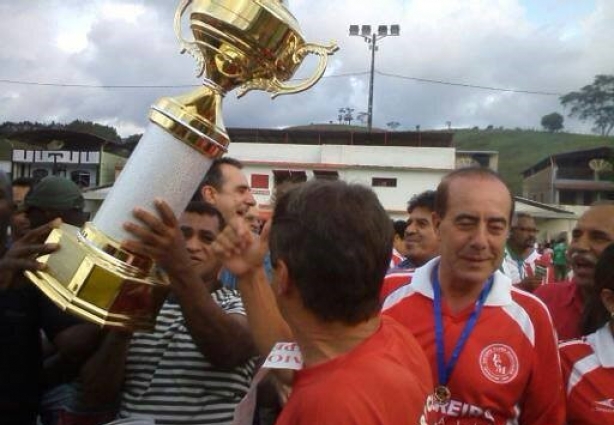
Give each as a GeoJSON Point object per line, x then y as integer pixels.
{"type": "Point", "coordinates": [520, 149]}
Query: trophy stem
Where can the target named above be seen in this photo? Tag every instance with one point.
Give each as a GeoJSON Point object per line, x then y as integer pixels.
{"type": "Point", "coordinates": [161, 166]}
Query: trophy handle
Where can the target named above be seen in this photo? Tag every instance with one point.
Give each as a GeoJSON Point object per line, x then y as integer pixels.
{"type": "Point", "coordinates": [188, 46]}
{"type": "Point", "coordinates": [276, 87]}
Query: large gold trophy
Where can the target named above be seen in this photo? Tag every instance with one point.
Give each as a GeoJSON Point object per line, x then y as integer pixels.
{"type": "Point", "coordinates": [244, 44]}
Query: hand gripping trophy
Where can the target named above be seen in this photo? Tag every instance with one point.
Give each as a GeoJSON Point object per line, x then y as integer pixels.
{"type": "Point", "coordinates": [244, 44]}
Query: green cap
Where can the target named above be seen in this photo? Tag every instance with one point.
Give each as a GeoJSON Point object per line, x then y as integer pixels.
{"type": "Point", "coordinates": [55, 193]}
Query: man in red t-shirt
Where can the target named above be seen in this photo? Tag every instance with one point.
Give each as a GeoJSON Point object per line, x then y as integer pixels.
{"type": "Point", "coordinates": [491, 347]}
{"type": "Point", "coordinates": [593, 232]}
{"type": "Point", "coordinates": [329, 263]}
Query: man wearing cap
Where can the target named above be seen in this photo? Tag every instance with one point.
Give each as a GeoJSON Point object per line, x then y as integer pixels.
{"type": "Point", "coordinates": [55, 197]}
{"type": "Point", "coordinates": [25, 311]}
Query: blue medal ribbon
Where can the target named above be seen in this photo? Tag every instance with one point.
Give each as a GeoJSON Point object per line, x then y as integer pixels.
{"type": "Point", "coordinates": [445, 371]}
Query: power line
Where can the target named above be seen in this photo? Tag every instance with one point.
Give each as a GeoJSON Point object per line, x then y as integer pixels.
{"type": "Point", "coordinates": [472, 86]}
{"type": "Point", "coordinates": [348, 74]}
{"type": "Point", "coordinates": [142, 86]}
{"type": "Point", "coordinates": [94, 86]}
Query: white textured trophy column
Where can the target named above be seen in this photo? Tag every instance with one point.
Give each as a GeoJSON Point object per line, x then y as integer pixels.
{"type": "Point", "coordinates": [160, 167]}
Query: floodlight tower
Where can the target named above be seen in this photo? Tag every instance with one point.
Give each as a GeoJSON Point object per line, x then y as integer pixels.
{"type": "Point", "coordinates": [372, 38]}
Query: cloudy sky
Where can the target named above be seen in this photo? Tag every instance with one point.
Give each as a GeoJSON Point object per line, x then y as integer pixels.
{"type": "Point", "coordinates": [553, 46]}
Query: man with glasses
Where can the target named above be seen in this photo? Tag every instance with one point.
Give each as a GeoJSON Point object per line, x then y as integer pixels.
{"type": "Point", "coordinates": [522, 262]}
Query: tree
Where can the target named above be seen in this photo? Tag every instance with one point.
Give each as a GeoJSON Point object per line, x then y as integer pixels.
{"type": "Point", "coordinates": [362, 117]}
{"type": "Point", "coordinates": [553, 122]}
{"type": "Point", "coordinates": [393, 125]}
{"type": "Point", "coordinates": [100, 130]}
{"type": "Point", "coordinates": [594, 102]}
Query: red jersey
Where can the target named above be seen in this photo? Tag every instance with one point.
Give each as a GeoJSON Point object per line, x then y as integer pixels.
{"type": "Point", "coordinates": [394, 280]}
{"type": "Point", "coordinates": [588, 374]}
{"type": "Point", "coordinates": [507, 370]}
{"type": "Point", "coordinates": [384, 380]}
{"type": "Point", "coordinates": [565, 303]}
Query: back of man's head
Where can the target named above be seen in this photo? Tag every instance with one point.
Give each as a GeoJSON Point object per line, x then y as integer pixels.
{"type": "Point", "coordinates": [335, 239]}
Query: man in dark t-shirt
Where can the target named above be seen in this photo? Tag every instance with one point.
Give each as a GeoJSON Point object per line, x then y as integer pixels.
{"type": "Point", "coordinates": [25, 311]}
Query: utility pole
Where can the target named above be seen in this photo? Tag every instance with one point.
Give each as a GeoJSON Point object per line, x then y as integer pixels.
{"type": "Point", "coordinates": [364, 31]}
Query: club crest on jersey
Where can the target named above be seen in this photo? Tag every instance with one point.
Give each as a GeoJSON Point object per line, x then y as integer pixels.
{"type": "Point", "coordinates": [499, 363]}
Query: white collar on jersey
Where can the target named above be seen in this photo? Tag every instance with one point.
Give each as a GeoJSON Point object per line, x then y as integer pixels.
{"type": "Point", "coordinates": [500, 294]}
{"type": "Point", "coordinates": [603, 345]}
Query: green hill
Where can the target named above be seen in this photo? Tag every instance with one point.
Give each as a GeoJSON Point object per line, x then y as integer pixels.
{"type": "Point", "coordinates": [520, 149]}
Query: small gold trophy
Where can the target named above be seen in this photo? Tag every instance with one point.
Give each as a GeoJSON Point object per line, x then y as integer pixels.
{"type": "Point", "coordinates": [244, 44]}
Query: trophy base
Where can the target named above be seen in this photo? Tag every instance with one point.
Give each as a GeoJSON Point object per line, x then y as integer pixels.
{"type": "Point", "coordinates": [93, 284]}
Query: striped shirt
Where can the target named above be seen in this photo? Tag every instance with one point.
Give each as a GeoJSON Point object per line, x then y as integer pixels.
{"type": "Point", "coordinates": [168, 379]}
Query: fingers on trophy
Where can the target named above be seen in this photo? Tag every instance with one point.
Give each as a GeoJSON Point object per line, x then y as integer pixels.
{"type": "Point", "coordinates": [237, 44]}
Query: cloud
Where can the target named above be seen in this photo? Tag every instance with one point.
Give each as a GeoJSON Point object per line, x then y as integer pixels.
{"type": "Point", "coordinates": [496, 43]}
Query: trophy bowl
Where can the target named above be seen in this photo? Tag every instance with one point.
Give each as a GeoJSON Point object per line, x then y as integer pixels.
{"type": "Point", "coordinates": [238, 44]}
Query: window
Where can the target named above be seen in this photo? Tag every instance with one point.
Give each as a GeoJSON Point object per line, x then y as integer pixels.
{"type": "Point", "coordinates": [326, 175]}
{"type": "Point", "coordinates": [567, 197]}
{"type": "Point", "coordinates": [260, 181]}
{"type": "Point", "coordinates": [383, 182]}
{"type": "Point", "coordinates": [81, 178]}
{"type": "Point", "coordinates": [292, 176]}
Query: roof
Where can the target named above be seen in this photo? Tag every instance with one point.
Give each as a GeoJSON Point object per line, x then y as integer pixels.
{"type": "Point", "coordinates": [544, 210]}
{"type": "Point", "coordinates": [541, 205]}
{"type": "Point", "coordinates": [342, 137]}
{"type": "Point", "coordinates": [599, 152]}
{"type": "Point", "coordinates": [61, 139]}
{"type": "Point", "coordinates": [584, 185]}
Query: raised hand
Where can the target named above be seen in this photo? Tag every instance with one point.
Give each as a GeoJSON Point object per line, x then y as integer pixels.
{"type": "Point", "coordinates": [23, 253]}
{"type": "Point", "coordinates": [158, 238]}
{"type": "Point", "coordinates": [240, 250]}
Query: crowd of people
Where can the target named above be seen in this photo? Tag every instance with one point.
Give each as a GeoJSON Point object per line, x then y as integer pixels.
{"type": "Point", "coordinates": [453, 316]}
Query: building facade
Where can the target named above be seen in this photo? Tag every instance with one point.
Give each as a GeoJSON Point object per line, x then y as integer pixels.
{"type": "Point", "coordinates": [86, 159]}
{"type": "Point", "coordinates": [571, 178]}
{"type": "Point", "coordinates": [395, 173]}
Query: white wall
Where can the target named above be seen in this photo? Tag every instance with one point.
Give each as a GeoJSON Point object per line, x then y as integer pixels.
{"type": "Point", "coordinates": [416, 169]}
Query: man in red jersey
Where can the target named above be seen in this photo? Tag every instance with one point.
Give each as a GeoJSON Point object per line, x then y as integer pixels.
{"type": "Point", "coordinates": [329, 262]}
{"type": "Point", "coordinates": [588, 362]}
{"type": "Point", "coordinates": [493, 352]}
{"type": "Point", "coordinates": [593, 232]}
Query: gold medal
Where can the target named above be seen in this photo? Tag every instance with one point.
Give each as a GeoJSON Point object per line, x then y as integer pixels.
{"type": "Point", "coordinates": [442, 394]}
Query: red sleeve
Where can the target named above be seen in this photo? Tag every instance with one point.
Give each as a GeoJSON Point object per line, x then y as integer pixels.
{"type": "Point", "coordinates": [544, 399]}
